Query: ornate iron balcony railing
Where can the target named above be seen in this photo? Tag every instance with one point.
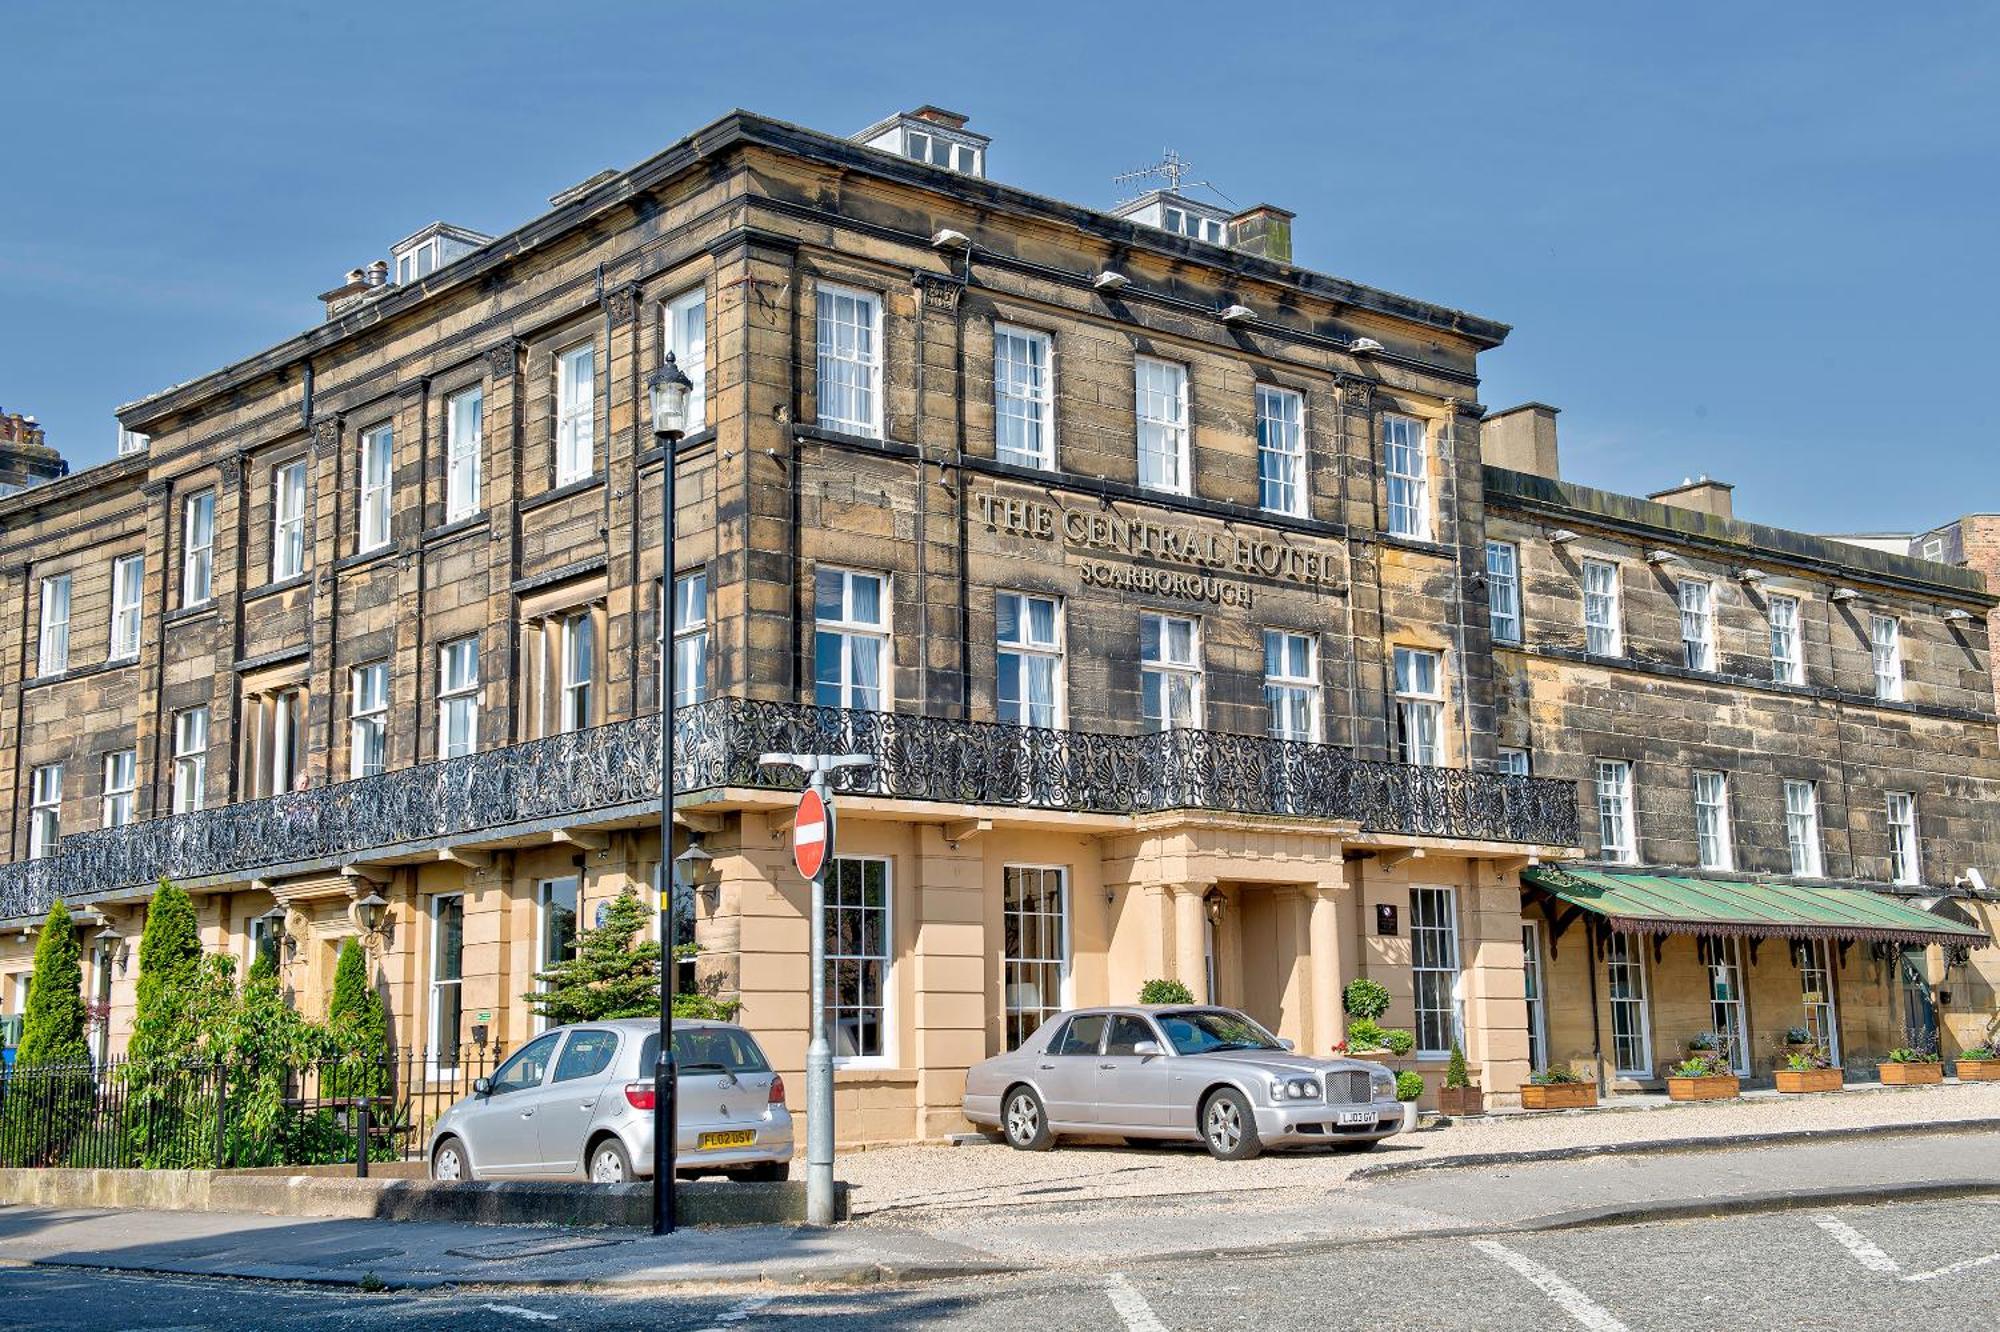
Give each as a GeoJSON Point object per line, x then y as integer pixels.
{"type": "Point", "coordinates": [983, 763]}
{"type": "Point", "coordinates": [583, 774]}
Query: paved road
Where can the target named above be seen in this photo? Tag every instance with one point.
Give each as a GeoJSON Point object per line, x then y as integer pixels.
{"type": "Point", "coordinates": [1930, 1265]}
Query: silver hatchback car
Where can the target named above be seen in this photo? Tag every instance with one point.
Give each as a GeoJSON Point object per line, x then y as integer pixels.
{"type": "Point", "coordinates": [577, 1103]}
{"type": "Point", "coordinates": [1172, 1071]}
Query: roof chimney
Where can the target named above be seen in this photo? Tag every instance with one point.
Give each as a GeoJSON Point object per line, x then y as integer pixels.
{"type": "Point", "coordinates": [378, 272]}
{"type": "Point", "coordinates": [1700, 494]}
{"type": "Point", "coordinates": [1265, 231]}
{"type": "Point", "coordinates": [348, 293]}
{"type": "Point", "coordinates": [1522, 439]}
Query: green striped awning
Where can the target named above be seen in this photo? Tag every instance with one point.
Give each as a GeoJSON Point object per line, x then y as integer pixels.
{"type": "Point", "coordinates": [1660, 904]}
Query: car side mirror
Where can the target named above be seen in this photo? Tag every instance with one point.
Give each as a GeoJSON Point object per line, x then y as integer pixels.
{"type": "Point", "coordinates": [1284, 1044]}
{"type": "Point", "coordinates": [1146, 1049]}
{"type": "Point", "coordinates": [482, 1086]}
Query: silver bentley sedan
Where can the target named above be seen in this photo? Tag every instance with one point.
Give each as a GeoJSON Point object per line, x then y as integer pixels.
{"type": "Point", "coordinates": [1150, 1072]}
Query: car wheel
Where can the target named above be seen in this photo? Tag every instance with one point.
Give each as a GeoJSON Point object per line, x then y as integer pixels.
{"type": "Point", "coordinates": [1228, 1128]}
{"type": "Point", "coordinates": [610, 1163]}
{"type": "Point", "coordinates": [449, 1163]}
{"type": "Point", "coordinates": [766, 1172]}
{"type": "Point", "coordinates": [1026, 1121]}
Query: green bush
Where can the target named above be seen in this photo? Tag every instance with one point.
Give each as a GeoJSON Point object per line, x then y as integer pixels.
{"type": "Point", "coordinates": [357, 1025]}
{"type": "Point", "coordinates": [1557, 1075]}
{"type": "Point", "coordinates": [169, 967]}
{"type": "Point", "coordinates": [1409, 1086]}
{"type": "Point", "coordinates": [1914, 1054]}
{"type": "Point", "coordinates": [1455, 1076]}
{"type": "Point", "coordinates": [1364, 998]}
{"type": "Point", "coordinates": [1366, 1034]}
{"type": "Point", "coordinates": [1165, 992]}
{"type": "Point", "coordinates": [54, 1030]}
{"type": "Point", "coordinates": [1399, 1041]}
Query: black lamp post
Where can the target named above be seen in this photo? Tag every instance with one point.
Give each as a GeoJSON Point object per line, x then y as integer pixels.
{"type": "Point", "coordinates": [668, 388]}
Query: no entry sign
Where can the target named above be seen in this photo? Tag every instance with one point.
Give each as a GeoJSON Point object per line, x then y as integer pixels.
{"type": "Point", "coordinates": [812, 832]}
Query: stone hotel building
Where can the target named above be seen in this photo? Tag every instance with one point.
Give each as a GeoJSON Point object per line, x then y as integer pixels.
{"type": "Point", "coordinates": [1198, 619]}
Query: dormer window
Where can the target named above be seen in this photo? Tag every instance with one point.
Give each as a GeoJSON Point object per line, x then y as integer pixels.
{"type": "Point", "coordinates": [418, 256]}
{"type": "Point", "coordinates": [926, 146]}
{"type": "Point", "coordinates": [1178, 214]}
{"type": "Point", "coordinates": [1184, 223]}
{"type": "Point", "coordinates": [418, 261]}
{"type": "Point", "coordinates": [932, 136]}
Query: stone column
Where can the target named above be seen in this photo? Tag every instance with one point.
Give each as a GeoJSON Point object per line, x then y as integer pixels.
{"type": "Point", "coordinates": [1324, 928]}
{"type": "Point", "coordinates": [1190, 934]}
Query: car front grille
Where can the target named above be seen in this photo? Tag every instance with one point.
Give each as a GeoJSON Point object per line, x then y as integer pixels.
{"type": "Point", "coordinates": [1351, 1087]}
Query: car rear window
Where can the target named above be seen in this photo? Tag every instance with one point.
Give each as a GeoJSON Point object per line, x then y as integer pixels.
{"type": "Point", "coordinates": [707, 1050]}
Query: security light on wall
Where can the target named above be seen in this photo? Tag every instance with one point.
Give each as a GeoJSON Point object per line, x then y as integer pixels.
{"type": "Point", "coordinates": [1845, 594]}
{"type": "Point", "coordinates": [1751, 575]}
{"type": "Point", "coordinates": [948, 239]}
{"type": "Point", "coordinates": [1237, 314]}
{"type": "Point", "coordinates": [1110, 280]}
{"type": "Point", "coordinates": [1957, 616]}
{"type": "Point", "coordinates": [1561, 536]}
{"type": "Point", "coordinates": [1661, 555]}
{"type": "Point", "coordinates": [1363, 346]}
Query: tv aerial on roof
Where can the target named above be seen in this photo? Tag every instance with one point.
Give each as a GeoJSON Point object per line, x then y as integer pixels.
{"type": "Point", "coordinates": [1174, 170]}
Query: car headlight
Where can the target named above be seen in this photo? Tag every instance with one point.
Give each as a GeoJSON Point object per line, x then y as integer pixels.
{"type": "Point", "coordinates": [1294, 1089]}
{"type": "Point", "coordinates": [1384, 1084]}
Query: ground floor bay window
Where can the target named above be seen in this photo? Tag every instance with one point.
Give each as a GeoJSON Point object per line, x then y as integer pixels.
{"type": "Point", "coordinates": [1036, 923]}
{"type": "Point", "coordinates": [1631, 1024]}
{"type": "Point", "coordinates": [1434, 969]}
{"type": "Point", "coordinates": [857, 959]}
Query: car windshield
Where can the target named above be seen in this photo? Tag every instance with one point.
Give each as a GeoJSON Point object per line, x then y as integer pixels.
{"type": "Point", "coordinates": [1207, 1030]}
{"type": "Point", "coordinates": [707, 1050]}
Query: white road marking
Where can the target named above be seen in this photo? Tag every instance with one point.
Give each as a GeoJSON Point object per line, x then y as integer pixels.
{"type": "Point", "coordinates": [1131, 1305]}
{"type": "Point", "coordinates": [1579, 1306]}
{"type": "Point", "coordinates": [1866, 1251]}
{"type": "Point", "coordinates": [532, 1315]}
{"type": "Point", "coordinates": [1870, 1255]}
{"type": "Point", "coordinates": [744, 1307]}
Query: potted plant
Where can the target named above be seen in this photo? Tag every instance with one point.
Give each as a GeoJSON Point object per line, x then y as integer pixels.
{"type": "Point", "coordinates": [1409, 1086]}
{"type": "Point", "coordinates": [1979, 1063]}
{"type": "Point", "coordinates": [1912, 1066]}
{"type": "Point", "coordinates": [1368, 1039]}
{"type": "Point", "coordinates": [1809, 1070]}
{"type": "Point", "coordinates": [1559, 1087]}
{"type": "Point", "coordinates": [1705, 1075]}
{"type": "Point", "coordinates": [1797, 1041]}
{"type": "Point", "coordinates": [1458, 1096]}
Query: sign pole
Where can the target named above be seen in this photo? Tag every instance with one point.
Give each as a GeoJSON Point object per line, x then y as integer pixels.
{"type": "Point", "coordinates": [812, 853]}
{"type": "Point", "coordinates": [819, 1053]}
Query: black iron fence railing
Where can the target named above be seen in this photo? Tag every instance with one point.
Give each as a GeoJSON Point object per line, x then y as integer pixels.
{"type": "Point", "coordinates": [583, 773]}
{"type": "Point", "coordinates": [125, 1114]}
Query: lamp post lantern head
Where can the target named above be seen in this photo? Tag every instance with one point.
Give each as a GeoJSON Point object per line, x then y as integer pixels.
{"type": "Point", "coordinates": [669, 388]}
{"type": "Point", "coordinates": [369, 909]}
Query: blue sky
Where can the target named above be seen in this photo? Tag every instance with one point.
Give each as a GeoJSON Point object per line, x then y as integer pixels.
{"type": "Point", "coordinates": [1755, 242]}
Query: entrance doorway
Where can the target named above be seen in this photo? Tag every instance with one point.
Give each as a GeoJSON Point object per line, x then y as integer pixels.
{"type": "Point", "coordinates": [1919, 1014]}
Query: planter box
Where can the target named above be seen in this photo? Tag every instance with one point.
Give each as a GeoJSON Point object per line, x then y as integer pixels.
{"type": "Point", "coordinates": [1798, 1080]}
{"type": "Point", "coordinates": [1459, 1102]}
{"type": "Point", "coordinates": [1979, 1070]}
{"type": "Point", "coordinates": [1410, 1114]}
{"type": "Point", "coordinates": [1558, 1095]}
{"type": "Point", "coordinates": [1911, 1075]}
{"type": "Point", "coordinates": [1722, 1087]}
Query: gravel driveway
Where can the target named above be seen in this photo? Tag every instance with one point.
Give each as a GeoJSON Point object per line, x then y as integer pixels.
{"type": "Point", "coordinates": [902, 1179]}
